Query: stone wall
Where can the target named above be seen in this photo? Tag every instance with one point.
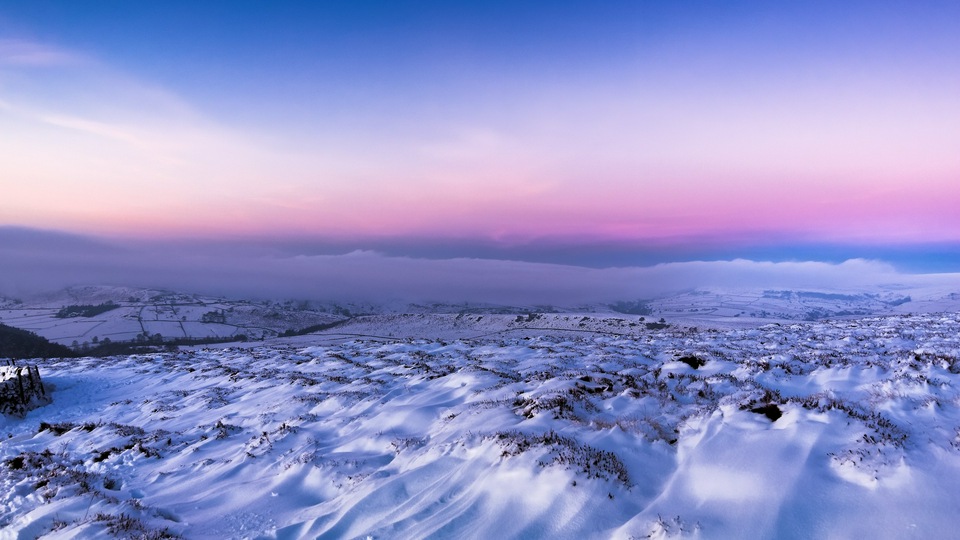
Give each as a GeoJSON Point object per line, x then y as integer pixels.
{"type": "Point", "coordinates": [20, 388]}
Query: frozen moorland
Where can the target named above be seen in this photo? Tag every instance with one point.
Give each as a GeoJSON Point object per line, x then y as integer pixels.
{"type": "Point", "coordinates": [83, 316]}
{"type": "Point", "coordinates": [827, 429]}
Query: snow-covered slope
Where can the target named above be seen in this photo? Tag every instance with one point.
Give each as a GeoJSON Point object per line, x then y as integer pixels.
{"type": "Point", "coordinates": [148, 314]}
{"type": "Point", "coordinates": [132, 313]}
{"type": "Point", "coordinates": [844, 429]}
{"type": "Point", "coordinates": [725, 308]}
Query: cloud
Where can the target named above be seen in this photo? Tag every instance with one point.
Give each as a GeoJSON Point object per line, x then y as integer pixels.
{"type": "Point", "coordinates": [20, 52]}
{"type": "Point", "coordinates": [129, 153]}
{"type": "Point", "coordinates": [37, 261]}
{"type": "Point", "coordinates": [90, 126]}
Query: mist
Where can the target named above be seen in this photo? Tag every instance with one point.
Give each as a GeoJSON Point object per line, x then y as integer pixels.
{"type": "Point", "coordinates": [39, 261]}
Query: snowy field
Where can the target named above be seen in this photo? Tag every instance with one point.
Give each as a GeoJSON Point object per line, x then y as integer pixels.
{"type": "Point", "coordinates": [150, 312]}
{"type": "Point", "coordinates": [845, 429]}
{"type": "Point", "coordinates": [175, 315]}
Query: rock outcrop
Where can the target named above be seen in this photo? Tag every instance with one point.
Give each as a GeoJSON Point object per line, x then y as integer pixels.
{"type": "Point", "coordinates": [20, 388]}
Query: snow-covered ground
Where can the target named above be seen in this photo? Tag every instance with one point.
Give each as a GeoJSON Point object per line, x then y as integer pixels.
{"type": "Point", "coordinates": [830, 429]}
{"type": "Point", "coordinates": [135, 312]}
{"type": "Point", "coordinates": [141, 313]}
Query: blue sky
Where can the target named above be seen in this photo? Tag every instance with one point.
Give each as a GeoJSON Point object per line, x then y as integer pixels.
{"type": "Point", "coordinates": [614, 133]}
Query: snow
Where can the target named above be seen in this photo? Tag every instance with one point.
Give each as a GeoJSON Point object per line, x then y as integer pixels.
{"type": "Point", "coordinates": [511, 432]}
{"type": "Point", "coordinates": [178, 315]}
{"type": "Point", "coordinates": [150, 312]}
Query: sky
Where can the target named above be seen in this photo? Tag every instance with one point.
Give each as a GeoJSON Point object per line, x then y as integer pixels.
{"type": "Point", "coordinates": [613, 134]}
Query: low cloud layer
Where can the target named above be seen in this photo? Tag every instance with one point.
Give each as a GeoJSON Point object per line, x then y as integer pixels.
{"type": "Point", "coordinates": [35, 262]}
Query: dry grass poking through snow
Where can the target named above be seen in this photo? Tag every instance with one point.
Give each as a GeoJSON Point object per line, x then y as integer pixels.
{"type": "Point", "coordinates": [845, 428]}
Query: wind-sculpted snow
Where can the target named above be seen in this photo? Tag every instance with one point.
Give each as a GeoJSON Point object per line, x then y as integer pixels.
{"type": "Point", "coordinates": [835, 429]}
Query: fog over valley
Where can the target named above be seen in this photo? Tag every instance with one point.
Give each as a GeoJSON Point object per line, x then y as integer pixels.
{"type": "Point", "coordinates": [38, 261]}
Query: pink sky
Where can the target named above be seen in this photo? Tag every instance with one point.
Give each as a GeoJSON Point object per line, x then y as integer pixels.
{"type": "Point", "coordinates": [687, 129]}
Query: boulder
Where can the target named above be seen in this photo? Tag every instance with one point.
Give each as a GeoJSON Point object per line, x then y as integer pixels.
{"type": "Point", "coordinates": [20, 389]}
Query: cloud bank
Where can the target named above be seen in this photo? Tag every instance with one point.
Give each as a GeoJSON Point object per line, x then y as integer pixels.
{"type": "Point", "coordinates": [37, 262]}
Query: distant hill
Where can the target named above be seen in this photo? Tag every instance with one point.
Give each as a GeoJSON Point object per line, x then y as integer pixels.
{"type": "Point", "coordinates": [16, 343]}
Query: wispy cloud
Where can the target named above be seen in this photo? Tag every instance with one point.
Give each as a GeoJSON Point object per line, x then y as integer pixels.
{"type": "Point", "coordinates": [101, 129]}
{"type": "Point", "coordinates": [20, 52]}
{"type": "Point", "coordinates": [128, 142]}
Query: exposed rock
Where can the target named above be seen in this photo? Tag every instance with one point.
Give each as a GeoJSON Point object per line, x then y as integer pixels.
{"type": "Point", "coordinates": [693, 361]}
{"type": "Point", "coordinates": [20, 389]}
{"type": "Point", "coordinates": [771, 411]}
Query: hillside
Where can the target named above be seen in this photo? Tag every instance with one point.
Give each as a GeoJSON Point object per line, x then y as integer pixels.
{"type": "Point", "coordinates": [16, 343]}
{"type": "Point", "coordinates": [86, 317]}
{"type": "Point", "coordinates": [826, 429]}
